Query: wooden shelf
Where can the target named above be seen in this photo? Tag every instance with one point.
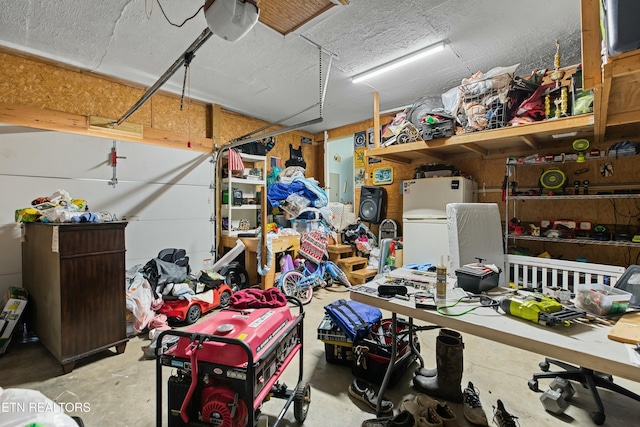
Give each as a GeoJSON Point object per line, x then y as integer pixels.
{"type": "Point", "coordinates": [241, 207]}
{"type": "Point", "coordinates": [578, 197]}
{"type": "Point", "coordinates": [575, 241]}
{"type": "Point", "coordinates": [226, 181]}
{"type": "Point", "coordinates": [531, 135]}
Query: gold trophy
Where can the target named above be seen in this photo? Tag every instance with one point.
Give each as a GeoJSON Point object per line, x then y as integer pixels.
{"type": "Point", "coordinates": [558, 95]}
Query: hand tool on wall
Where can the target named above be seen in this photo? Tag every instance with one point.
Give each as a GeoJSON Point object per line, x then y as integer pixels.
{"type": "Point", "coordinates": [113, 159]}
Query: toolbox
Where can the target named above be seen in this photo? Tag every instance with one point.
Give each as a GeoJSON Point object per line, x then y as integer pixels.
{"type": "Point", "coordinates": [338, 347]}
{"type": "Point", "coordinates": [477, 278]}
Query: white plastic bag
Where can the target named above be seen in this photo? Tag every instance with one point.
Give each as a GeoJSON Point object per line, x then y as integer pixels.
{"type": "Point", "coordinates": [26, 407]}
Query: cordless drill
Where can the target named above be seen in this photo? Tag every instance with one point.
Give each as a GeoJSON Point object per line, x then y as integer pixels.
{"type": "Point", "coordinates": [539, 309]}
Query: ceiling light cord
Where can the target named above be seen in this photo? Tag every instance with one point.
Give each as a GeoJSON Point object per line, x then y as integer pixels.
{"type": "Point", "coordinates": [183, 22]}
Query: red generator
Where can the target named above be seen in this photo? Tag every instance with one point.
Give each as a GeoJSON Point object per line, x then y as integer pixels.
{"type": "Point", "coordinates": [225, 367]}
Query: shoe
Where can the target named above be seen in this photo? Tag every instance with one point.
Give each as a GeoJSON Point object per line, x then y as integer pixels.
{"type": "Point", "coordinates": [446, 415]}
{"type": "Point", "coordinates": [403, 419]}
{"type": "Point", "coordinates": [472, 410]}
{"type": "Point", "coordinates": [365, 392]}
{"type": "Point", "coordinates": [424, 400]}
{"type": "Point", "coordinates": [422, 407]}
{"type": "Point", "coordinates": [502, 418]}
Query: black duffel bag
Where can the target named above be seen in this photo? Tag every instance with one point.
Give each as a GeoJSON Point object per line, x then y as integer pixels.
{"type": "Point", "coordinates": [372, 354]}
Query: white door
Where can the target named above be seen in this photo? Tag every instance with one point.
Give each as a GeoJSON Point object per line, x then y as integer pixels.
{"type": "Point", "coordinates": [334, 187]}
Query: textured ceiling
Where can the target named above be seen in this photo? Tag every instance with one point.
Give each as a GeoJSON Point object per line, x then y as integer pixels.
{"type": "Point", "coordinates": [271, 76]}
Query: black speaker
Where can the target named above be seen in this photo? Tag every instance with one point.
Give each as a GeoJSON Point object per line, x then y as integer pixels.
{"type": "Point", "coordinates": [372, 204]}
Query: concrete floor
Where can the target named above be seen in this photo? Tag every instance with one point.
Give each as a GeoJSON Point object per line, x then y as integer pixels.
{"type": "Point", "coordinates": [120, 390]}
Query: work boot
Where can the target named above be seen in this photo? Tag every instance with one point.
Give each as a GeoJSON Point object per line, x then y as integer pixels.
{"type": "Point", "coordinates": [446, 383]}
{"type": "Point", "coordinates": [403, 419]}
{"type": "Point", "coordinates": [502, 418]}
{"type": "Point", "coordinates": [432, 372]}
{"type": "Point", "coordinates": [447, 416]}
{"type": "Point", "coordinates": [472, 410]}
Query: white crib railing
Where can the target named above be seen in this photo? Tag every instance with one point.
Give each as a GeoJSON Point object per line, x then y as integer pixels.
{"type": "Point", "coordinates": [529, 271]}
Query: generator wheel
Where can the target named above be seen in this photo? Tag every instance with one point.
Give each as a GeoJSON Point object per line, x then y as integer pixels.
{"type": "Point", "coordinates": [301, 401]}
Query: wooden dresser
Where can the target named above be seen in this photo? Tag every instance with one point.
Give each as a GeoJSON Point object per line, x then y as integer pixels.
{"type": "Point", "coordinates": [75, 274]}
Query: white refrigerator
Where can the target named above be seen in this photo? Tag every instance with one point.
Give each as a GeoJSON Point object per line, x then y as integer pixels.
{"type": "Point", "coordinates": [424, 218]}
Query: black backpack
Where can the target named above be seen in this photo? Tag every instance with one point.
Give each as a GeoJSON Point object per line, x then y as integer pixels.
{"type": "Point", "coordinates": [295, 157]}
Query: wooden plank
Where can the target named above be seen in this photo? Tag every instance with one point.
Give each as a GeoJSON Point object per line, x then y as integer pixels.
{"type": "Point", "coordinates": [285, 17]}
{"type": "Point", "coordinates": [624, 64]}
{"type": "Point", "coordinates": [376, 119]}
{"type": "Point", "coordinates": [106, 125]}
{"type": "Point", "coordinates": [591, 61]}
{"type": "Point", "coordinates": [39, 118]}
{"type": "Point", "coordinates": [626, 329]}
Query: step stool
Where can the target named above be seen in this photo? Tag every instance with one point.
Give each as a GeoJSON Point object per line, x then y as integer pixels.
{"type": "Point", "coordinates": [355, 268]}
{"type": "Point", "coordinates": [362, 276]}
{"type": "Point", "coordinates": [339, 251]}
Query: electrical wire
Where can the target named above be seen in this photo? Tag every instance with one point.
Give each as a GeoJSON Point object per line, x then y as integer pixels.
{"type": "Point", "coordinates": [183, 22]}
{"type": "Point", "coordinates": [485, 301]}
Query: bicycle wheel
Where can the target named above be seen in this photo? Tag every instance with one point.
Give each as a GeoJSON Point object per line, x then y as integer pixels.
{"type": "Point", "coordinates": [337, 273]}
{"type": "Point", "coordinates": [304, 293]}
{"type": "Point", "coordinates": [289, 282]}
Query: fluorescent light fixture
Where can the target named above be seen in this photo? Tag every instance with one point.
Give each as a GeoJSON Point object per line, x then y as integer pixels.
{"type": "Point", "coordinates": [563, 135]}
{"type": "Point", "coordinates": [399, 62]}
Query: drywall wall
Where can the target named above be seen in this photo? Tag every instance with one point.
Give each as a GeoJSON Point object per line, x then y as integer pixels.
{"type": "Point", "coordinates": [164, 192]}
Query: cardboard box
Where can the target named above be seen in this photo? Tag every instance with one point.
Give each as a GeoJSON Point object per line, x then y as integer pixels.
{"type": "Point", "coordinates": [13, 305]}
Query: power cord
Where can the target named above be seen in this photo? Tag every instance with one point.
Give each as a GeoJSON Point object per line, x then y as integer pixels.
{"type": "Point", "coordinates": [485, 301]}
{"type": "Point", "coordinates": [183, 22]}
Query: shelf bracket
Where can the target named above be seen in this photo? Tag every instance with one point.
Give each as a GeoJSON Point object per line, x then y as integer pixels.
{"type": "Point", "coordinates": [527, 139]}
{"type": "Point", "coordinates": [476, 149]}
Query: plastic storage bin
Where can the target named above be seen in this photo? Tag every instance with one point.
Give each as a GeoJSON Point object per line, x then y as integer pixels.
{"type": "Point", "coordinates": [601, 299]}
{"type": "Point", "coordinates": [476, 278]}
{"type": "Point", "coordinates": [621, 23]}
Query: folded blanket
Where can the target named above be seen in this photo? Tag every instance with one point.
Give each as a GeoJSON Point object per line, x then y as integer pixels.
{"type": "Point", "coordinates": [258, 298]}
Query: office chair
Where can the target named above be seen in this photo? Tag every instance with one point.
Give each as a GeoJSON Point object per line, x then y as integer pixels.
{"type": "Point", "coordinates": [589, 379]}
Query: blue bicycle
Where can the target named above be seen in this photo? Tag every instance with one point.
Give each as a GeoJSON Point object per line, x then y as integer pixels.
{"type": "Point", "coordinates": [301, 281]}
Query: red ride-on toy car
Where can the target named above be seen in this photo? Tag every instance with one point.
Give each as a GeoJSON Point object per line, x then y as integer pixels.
{"type": "Point", "coordinates": [210, 293]}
